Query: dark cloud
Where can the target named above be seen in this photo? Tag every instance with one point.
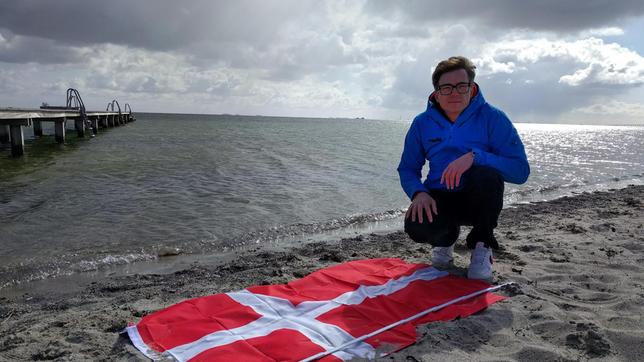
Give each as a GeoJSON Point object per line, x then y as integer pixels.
{"type": "Point", "coordinates": [170, 25]}
{"type": "Point", "coordinates": [543, 15]}
{"type": "Point", "coordinates": [149, 24]}
{"type": "Point", "coordinates": [21, 49]}
{"type": "Point", "coordinates": [269, 35]}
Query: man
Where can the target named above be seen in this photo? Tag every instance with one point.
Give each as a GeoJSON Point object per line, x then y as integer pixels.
{"type": "Point", "coordinates": [472, 149]}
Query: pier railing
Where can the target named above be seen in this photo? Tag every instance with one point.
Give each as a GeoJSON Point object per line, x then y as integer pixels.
{"type": "Point", "coordinates": [12, 120]}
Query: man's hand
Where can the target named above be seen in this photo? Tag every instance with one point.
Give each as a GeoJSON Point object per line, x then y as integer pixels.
{"type": "Point", "coordinates": [453, 172]}
{"type": "Point", "coordinates": [421, 202]}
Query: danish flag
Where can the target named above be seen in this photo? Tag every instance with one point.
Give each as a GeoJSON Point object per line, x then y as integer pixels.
{"type": "Point", "coordinates": [360, 309]}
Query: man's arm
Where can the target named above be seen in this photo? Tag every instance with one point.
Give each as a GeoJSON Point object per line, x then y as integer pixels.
{"type": "Point", "coordinates": [410, 172]}
{"type": "Point", "coordinates": [507, 154]}
{"type": "Point", "coordinates": [412, 161]}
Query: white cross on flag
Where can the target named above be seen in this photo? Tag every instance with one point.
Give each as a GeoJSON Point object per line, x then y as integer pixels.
{"type": "Point", "coordinates": [353, 310]}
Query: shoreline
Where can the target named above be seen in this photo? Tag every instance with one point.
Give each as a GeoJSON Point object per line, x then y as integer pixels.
{"type": "Point", "coordinates": [169, 259]}
{"type": "Point", "coordinates": [578, 262]}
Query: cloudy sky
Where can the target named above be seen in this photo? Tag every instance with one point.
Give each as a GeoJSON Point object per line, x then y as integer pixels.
{"type": "Point", "coordinates": [540, 61]}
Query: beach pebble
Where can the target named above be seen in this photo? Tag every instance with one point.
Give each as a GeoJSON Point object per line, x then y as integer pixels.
{"type": "Point", "coordinates": [574, 228]}
{"type": "Point", "coordinates": [603, 227]}
{"type": "Point", "coordinates": [75, 338]}
{"type": "Point", "coordinates": [559, 258]}
{"type": "Point", "coordinates": [530, 248]}
{"type": "Point", "coordinates": [168, 251]}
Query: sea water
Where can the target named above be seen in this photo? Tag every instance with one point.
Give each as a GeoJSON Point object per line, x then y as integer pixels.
{"type": "Point", "coordinates": [213, 184]}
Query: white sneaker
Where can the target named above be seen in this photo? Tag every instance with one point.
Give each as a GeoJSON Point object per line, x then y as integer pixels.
{"type": "Point", "coordinates": [442, 257]}
{"type": "Point", "coordinates": [480, 263]}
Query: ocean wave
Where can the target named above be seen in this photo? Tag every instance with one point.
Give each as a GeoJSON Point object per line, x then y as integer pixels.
{"type": "Point", "coordinates": [277, 233]}
{"type": "Point", "coordinates": [30, 271]}
{"type": "Point", "coordinates": [111, 260]}
{"type": "Point", "coordinates": [523, 194]}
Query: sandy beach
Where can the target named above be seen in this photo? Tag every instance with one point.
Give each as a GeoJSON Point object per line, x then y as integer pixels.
{"type": "Point", "coordinates": [578, 263]}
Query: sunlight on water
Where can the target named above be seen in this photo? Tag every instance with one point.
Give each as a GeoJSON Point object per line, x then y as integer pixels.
{"type": "Point", "coordinates": [567, 158]}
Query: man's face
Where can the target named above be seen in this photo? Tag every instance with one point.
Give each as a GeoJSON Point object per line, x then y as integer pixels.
{"type": "Point", "coordinates": [454, 103]}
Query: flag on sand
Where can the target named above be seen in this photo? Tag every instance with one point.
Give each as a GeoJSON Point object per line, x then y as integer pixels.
{"type": "Point", "coordinates": [360, 309]}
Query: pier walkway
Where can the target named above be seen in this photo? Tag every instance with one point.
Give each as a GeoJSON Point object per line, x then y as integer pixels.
{"type": "Point", "coordinates": [12, 121]}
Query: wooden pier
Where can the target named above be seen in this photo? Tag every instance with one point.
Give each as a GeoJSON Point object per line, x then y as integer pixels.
{"type": "Point", "coordinates": [12, 121]}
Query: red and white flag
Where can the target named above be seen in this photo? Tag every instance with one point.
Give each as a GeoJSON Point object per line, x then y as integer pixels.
{"type": "Point", "coordinates": [360, 309]}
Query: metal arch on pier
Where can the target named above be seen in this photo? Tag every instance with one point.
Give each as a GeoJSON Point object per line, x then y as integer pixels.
{"type": "Point", "coordinates": [74, 101]}
{"type": "Point", "coordinates": [110, 107]}
{"type": "Point", "coordinates": [13, 119]}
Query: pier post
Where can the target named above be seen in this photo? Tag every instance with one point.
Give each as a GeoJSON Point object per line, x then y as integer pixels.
{"type": "Point", "coordinates": [4, 134]}
{"type": "Point", "coordinates": [95, 125]}
{"type": "Point", "coordinates": [110, 120]}
{"type": "Point", "coordinates": [80, 127]}
{"type": "Point", "coordinates": [60, 130]}
{"type": "Point", "coordinates": [102, 121]}
{"type": "Point", "coordinates": [17, 140]}
{"type": "Point", "coordinates": [37, 128]}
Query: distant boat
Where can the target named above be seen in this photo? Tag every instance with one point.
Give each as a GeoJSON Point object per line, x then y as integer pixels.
{"type": "Point", "coordinates": [45, 105]}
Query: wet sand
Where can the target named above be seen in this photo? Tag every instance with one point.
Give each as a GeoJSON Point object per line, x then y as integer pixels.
{"type": "Point", "coordinates": [578, 262]}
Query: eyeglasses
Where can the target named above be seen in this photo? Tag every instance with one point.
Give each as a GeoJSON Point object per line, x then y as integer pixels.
{"type": "Point", "coordinates": [447, 89]}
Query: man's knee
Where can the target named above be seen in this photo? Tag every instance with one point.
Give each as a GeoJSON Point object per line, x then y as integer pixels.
{"type": "Point", "coordinates": [417, 232]}
{"type": "Point", "coordinates": [431, 233]}
{"type": "Point", "coordinates": [486, 178]}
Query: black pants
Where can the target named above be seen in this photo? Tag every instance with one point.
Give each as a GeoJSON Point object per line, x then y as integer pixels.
{"type": "Point", "coordinates": [478, 204]}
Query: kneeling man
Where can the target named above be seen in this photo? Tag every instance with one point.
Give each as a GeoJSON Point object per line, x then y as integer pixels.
{"type": "Point", "coordinates": [472, 149]}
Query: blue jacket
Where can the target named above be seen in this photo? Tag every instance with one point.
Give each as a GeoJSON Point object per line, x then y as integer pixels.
{"type": "Point", "coordinates": [481, 128]}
